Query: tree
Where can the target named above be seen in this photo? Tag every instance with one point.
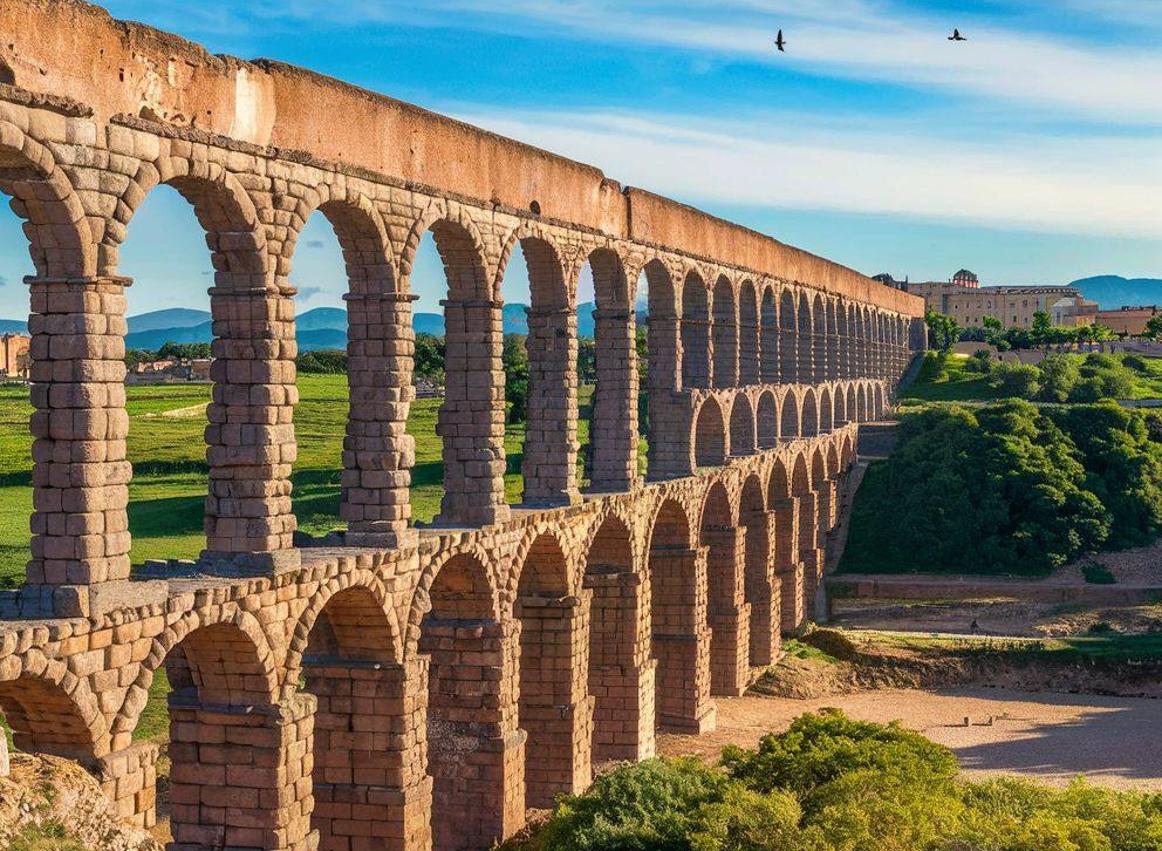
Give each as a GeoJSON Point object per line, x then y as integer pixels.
{"type": "Point", "coordinates": [1154, 327]}
{"type": "Point", "coordinates": [1016, 380]}
{"type": "Point", "coordinates": [943, 330]}
{"type": "Point", "coordinates": [429, 358]}
{"type": "Point", "coordinates": [1040, 333]}
{"type": "Point", "coordinates": [586, 361]}
{"type": "Point", "coordinates": [184, 351]}
{"type": "Point", "coordinates": [1059, 376]}
{"type": "Point", "coordinates": [515, 358]}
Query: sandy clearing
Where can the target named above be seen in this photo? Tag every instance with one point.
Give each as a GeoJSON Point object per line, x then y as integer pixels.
{"type": "Point", "coordinates": [1049, 737]}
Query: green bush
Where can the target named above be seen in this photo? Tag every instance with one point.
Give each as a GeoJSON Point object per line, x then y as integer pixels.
{"type": "Point", "coordinates": [1135, 362]}
{"type": "Point", "coordinates": [1102, 377]}
{"type": "Point", "coordinates": [1097, 574]}
{"type": "Point", "coordinates": [1060, 374]}
{"type": "Point", "coordinates": [1016, 380]}
{"type": "Point", "coordinates": [322, 362]}
{"type": "Point", "coordinates": [833, 784]}
{"type": "Point", "coordinates": [981, 362]}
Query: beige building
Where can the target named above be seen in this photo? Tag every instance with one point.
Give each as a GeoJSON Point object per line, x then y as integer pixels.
{"type": "Point", "coordinates": [966, 301]}
{"type": "Point", "coordinates": [1127, 320]}
{"type": "Point", "coordinates": [15, 361]}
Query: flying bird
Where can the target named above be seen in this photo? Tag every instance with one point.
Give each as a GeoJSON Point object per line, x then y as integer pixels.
{"type": "Point", "coordinates": [779, 43]}
{"type": "Point", "coordinates": [956, 36]}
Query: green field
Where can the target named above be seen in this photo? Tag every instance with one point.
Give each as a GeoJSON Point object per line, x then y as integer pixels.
{"type": "Point", "coordinates": [166, 447]}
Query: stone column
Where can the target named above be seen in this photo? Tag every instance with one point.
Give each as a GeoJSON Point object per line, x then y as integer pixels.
{"type": "Point", "coordinates": [820, 355]}
{"type": "Point", "coordinates": [671, 424]}
{"type": "Point", "coordinates": [621, 672]}
{"type": "Point", "coordinates": [805, 359]}
{"type": "Point", "coordinates": [370, 781]}
{"type": "Point", "coordinates": [749, 353]}
{"type": "Point", "coordinates": [550, 447]}
{"type": "Point", "coordinates": [810, 542]}
{"type": "Point", "coordinates": [788, 564]}
{"type": "Point", "coordinates": [378, 453]}
{"type": "Point", "coordinates": [471, 420]}
{"type": "Point", "coordinates": [128, 778]}
{"type": "Point", "coordinates": [80, 475]}
{"type": "Point", "coordinates": [788, 356]}
{"type": "Point", "coordinates": [728, 612]}
{"type": "Point", "coordinates": [681, 643]}
{"type": "Point", "coordinates": [762, 588]}
{"type": "Point", "coordinates": [613, 429]}
{"type": "Point", "coordinates": [556, 711]}
{"type": "Point", "coordinates": [250, 438]}
{"type": "Point", "coordinates": [476, 753]}
{"type": "Point", "coordinates": [665, 352]}
{"type": "Point", "coordinates": [241, 775]}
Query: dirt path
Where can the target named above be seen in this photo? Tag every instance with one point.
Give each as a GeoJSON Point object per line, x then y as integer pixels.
{"type": "Point", "coordinates": [1049, 737]}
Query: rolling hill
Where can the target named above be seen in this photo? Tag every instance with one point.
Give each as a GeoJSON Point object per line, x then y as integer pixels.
{"type": "Point", "coordinates": [1114, 291]}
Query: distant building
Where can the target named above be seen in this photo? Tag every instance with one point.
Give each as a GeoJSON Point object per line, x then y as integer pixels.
{"type": "Point", "coordinates": [15, 357]}
{"type": "Point", "coordinates": [965, 300]}
{"type": "Point", "coordinates": [1130, 321]}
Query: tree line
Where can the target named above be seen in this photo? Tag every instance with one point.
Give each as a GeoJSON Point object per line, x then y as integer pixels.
{"type": "Point", "coordinates": [944, 332]}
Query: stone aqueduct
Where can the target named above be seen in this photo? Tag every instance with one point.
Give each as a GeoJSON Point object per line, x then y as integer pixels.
{"type": "Point", "coordinates": [404, 688]}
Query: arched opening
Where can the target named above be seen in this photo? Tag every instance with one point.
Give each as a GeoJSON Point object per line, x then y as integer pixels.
{"type": "Point", "coordinates": [726, 355]}
{"type": "Point", "coordinates": [695, 333]}
{"type": "Point", "coordinates": [810, 414]}
{"type": "Point", "coordinates": [610, 373]}
{"type": "Point", "coordinates": [552, 700]}
{"type": "Point", "coordinates": [768, 421]}
{"type": "Point", "coordinates": [726, 617]}
{"type": "Point", "coordinates": [710, 436]}
{"type": "Point", "coordinates": [806, 340]}
{"type": "Point", "coordinates": [826, 411]}
{"type": "Point", "coordinates": [861, 403]}
{"type": "Point", "coordinates": [819, 341]}
{"type": "Point", "coordinates": [618, 647]}
{"type": "Point", "coordinates": [470, 709]}
{"type": "Point", "coordinates": [742, 427]}
{"type": "Point", "coordinates": [880, 407]}
{"type": "Point", "coordinates": [350, 666]}
{"type": "Point", "coordinates": [769, 339]}
{"type": "Point", "coordinates": [788, 339]}
{"type": "Point", "coordinates": [842, 400]}
{"type": "Point", "coordinates": [679, 643]}
{"type": "Point", "coordinates": [44, 719]}
{"type": "Point", "coordinates": [661, 340]}
{"type": "Point", "coordinates": [462, 475]}
{"type": "Point", "coordinates": [760, 585]}
{"type": "Point", "coordinates": [787, 566]}
{"type": "Point", "coordinates": [789, 423]}
{"type": "Point", "coordinates": [843, 341]}
{"type": "Point", "coordinates": [749, 344]}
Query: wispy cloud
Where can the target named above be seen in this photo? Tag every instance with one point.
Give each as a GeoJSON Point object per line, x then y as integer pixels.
{"type": "Point", "coordinates": [1094, 186]}
{"type": "Point", "coordinates": [3, 281]}
{"type": "Point", "coordinates": [307, 293]}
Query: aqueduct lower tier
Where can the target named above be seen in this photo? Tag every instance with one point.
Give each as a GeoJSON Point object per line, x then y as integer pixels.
{"type": "Point", "coordinates": [404, 688]}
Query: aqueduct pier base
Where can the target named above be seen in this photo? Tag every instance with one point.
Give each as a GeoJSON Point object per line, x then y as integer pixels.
{"type": "Point", "coordinates": [411, 688]}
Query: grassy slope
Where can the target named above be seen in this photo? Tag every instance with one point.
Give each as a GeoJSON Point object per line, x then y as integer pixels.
{"type": "Point", "coordinates": [168, 455]}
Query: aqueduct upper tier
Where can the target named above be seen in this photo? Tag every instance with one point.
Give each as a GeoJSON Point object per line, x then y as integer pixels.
{"type": "Point", "coordinates": [382, 688]}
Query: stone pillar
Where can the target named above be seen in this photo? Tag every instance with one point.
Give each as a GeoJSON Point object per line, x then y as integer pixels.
{"type": "Point", "coordinates": [550, 448]}
{"type": "Point", "coordinates": [128, 778]}
{"type": "Point", "coordinates": [378, 453]}
{"type": "Point", "coordinates": [806, 360]}
{"type": "Point", "coordinates": [370, 781]}
{"type": "Point", "coordinates": [810, 541]}
{"type": "Point", "coordinates": [697, 354]}
{"type": "Point", "coordinates": [241, 775]}
{"type": "Point", "coordinates": [788, 564]}
{"type": "Point", "coordinates": [471, 420]}
{"type": "Point", "coordinates": [681, 642]}
{"type": "Point", "coordinates": [788, 356]}
{"type": "Point", "coordinates": [821, 355]}
{"type": "Point", "coordinates": [622, 676]}
{"type": "Point", "coordinates": [671, 426]}
{"type": "Point", "coordinates": [476, 753]}
{"type": "Point", "coordinates": [250, 438]}
{"type": "Point", "coordinates": [613, 429]}
{"type": "Point", "coordinates": [556, 711]}
{"type": "Point", "coordinates": [762, 588]}
{"type": "Point", "coordinates": [80, 475]}
{"type": "Point", "coordinates": [665, 352]}
{"type": "Point", "coordinates": [728, 612]}
{"type": "Point", "coordinates": [749, 353]}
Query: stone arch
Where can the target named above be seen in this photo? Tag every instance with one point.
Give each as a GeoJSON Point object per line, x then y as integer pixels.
{"type": "Point", "coordinates": [769, 338]}
{"type": "Point", "coordinates": [789, 420]}
{"type": "Point", "coordinates": [760, 587]}
{"type": "Point", "coordinates": [818, 467]}
{"type": "Point", "coordinates": [51, 711]}
{"type": "Point", "coordinates": [879, 407]}
{"type": "Point", "coordinates": [810, 413]}
{"type": "Point", "coordinates": [60, 242]}
{"type": "Point", "coordinates": [362, 236]}
{"type": "Point", "coordinates": [742, 427]}
{"type": "Point", "coordinates": [460, 246]}
{"type": "Point", "coordinates": [696, 349]}
{"type": "Point", "coordinates": [826, 410]}
{"type": "Point", "coordinates": [862, 402]}
{"type": "Point", "coordinates": [678, 621]}
{"type": "Point", "coordinates": [779, 482]}
{"type": "Point", "coordinates": [800, 477]}
{"type": "Point", "coordinates": [806, 340]}
{"type": "Point", "coordinates": [749, 342]}
{"type": "Point", "coordinates": [718, 533]}
{"type": "Point", "coordinates": [833, 460]}
{"type": "Point", "coordinates": [842, 404]}
{"type": "Point", "coordinates": [725, 334]}
{"type": "Point", "coordinates": [618, 644]}
{"type": "Point", "coordinates": [551, 637]}
{"type": "Point", "coordinates": [664, 371]}
{"type": "Point", "coordinates": [767, 421]}
{"type": "Point", "coordinates": [709, 435]}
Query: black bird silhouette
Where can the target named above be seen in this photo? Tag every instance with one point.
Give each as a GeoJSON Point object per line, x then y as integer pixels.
{"type": "Point", "coordinates": [779, 43]}
{"type": "Point", "coordinates": [956, 36]}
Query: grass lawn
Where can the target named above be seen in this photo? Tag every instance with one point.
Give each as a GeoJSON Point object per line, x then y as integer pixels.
{"type": "Point", "coordinates": [167, 449]}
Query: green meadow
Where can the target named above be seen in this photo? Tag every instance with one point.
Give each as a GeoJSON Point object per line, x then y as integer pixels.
{"type": "Point", "coordinates": [167, 449]}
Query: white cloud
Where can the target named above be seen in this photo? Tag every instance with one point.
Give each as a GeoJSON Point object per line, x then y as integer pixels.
{"type": "Point", "coordinates": [1103, 186]}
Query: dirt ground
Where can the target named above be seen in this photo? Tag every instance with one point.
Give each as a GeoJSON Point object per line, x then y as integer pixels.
{"type": "Point", "coordinates": [1048, 737]}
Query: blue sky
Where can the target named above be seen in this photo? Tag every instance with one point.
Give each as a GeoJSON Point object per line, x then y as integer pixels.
{"type": "Point", "coordinates": [1031, 153]}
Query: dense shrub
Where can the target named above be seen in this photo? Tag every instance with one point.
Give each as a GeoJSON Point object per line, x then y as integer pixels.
{"type": "Point", "coordinates": [981, 362]}
{"type": "Point", "coordinates": [833, 784]}
{"type": "Point", "coordinates": [322, 362]}
{"type": "Point", "coordinates": [1103, 377]}
{"type": "Point", "coordinates": [1059, 376]}
{"type": "Point", "coordinates": [1018, 380]}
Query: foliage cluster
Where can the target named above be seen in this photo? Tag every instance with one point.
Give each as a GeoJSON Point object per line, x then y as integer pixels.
{"type": "Point", "coordinates": [1042, 333]}
{"type": "Point", "coordinates": [1065, 378]}
{"type": "Point", "coordinates": [168, 351]}
{"type": "Point", "coordinates": [834, 784]}
{"type": "Point", "coordinates": [1008, 488]}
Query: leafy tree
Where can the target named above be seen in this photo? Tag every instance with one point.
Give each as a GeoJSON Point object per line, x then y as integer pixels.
{"type": "Point", "coordinates": [1016, 380]}
{"type": "Point", "coordinates": [133, 357]}
{"type": "Point", "coordinates": [184, 351]}
{"type": "Point", "coordinates": [515, 358]}
{"type": "Point", "coordinates": [1154, 327]}
{"type": "Point", "coordinates": [429, 358]}
{"type": "Point", "coordinates": [642, 343]}
{"type": "Point", "coordinates": [322, 362]}
{"type": "Point", "coordinates": [943, 331]}
{"type": "Point", "coordinates": [587, 361]}
{"type": "Point", "coordinates": [1059, 376]}
{"type": "Point", "coordinates": [1039, 334]}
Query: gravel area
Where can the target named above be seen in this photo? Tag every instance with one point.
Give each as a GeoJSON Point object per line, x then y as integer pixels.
{"type": "Point", "coordinates": [1049, 737]}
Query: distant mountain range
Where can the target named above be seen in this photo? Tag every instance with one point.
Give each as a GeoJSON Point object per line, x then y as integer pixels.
{"type": "Point", "coordinates": [319, 328]}
{"type": "Point", "coordinates": [1113, 291]}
